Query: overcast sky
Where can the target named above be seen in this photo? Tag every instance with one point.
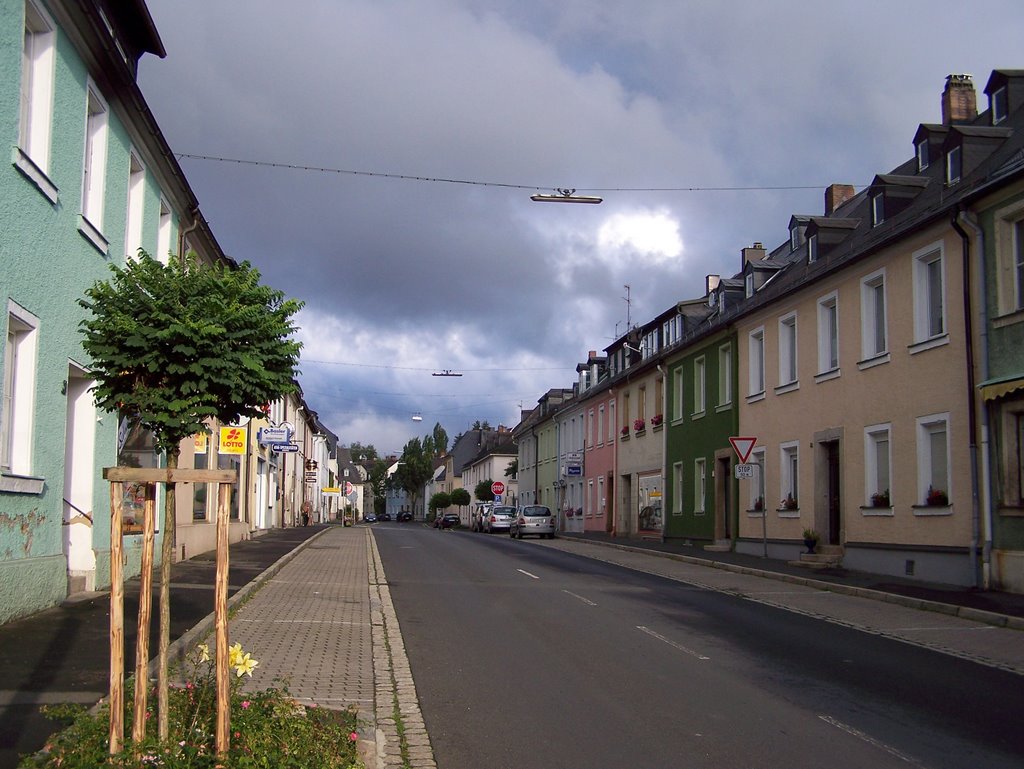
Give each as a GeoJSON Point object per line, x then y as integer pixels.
{"type": "Point", "coordinates": [648, 103]}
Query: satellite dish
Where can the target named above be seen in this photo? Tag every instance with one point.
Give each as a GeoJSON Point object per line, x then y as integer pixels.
{"type": "Point", "coordinates": [417, 418]}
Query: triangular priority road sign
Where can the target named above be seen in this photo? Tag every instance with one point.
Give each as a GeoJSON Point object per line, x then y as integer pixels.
{"type": "Point", "coordinates": [742, 446]}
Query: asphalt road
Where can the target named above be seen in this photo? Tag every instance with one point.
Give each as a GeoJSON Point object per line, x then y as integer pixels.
{"type": "Point", "coordinates": [526, 656]}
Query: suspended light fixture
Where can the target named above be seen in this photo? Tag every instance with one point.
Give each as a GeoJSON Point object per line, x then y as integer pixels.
{"type": "Point", "coordinates": [447, 372]}
{"type": "Point", "coordinates": [565, 196]}
{"type": "Point", "coordinates": [417, 417]}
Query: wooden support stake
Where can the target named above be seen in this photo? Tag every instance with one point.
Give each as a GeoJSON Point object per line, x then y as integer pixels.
{"type": "Point", "coordinates": [145, 612]}
{"type": "Point", "coordinates": [223, 728]}
{"type": "Point", "coordinates": [116, 621]}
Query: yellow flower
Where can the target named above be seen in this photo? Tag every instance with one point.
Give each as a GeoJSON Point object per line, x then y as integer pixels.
{"type": "Point", "coordinates": [245, 665]}
{"type": "Point", "coordinates": [204, 652]}
{"type": "Point", "coordinates": [235, 654]}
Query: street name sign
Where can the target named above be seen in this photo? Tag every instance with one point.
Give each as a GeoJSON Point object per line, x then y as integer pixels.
{"type": "Point", "coordinates": [284, 448]}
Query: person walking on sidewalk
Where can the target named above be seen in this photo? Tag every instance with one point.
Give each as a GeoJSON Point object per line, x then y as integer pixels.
{"type": "Point", "coordinates": [306, 507]}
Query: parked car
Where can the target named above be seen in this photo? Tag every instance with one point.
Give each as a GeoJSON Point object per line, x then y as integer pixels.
{"type": "Point", "coordinates": [385, 516]}
{"type": "Point", "coordinates": [499, 518]}
{"type": "Point", "coordinates": [405, 515]}
{"type": "Point", "coordinates": [449, 520]}
{"type": "Point", "coordinates": [533, 519]}
{"type": "Point", "coordinates": [370, 518]}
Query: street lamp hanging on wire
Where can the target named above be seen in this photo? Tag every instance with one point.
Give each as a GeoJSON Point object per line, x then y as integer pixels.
{"type": "Point", "coordinates": [565, 195]}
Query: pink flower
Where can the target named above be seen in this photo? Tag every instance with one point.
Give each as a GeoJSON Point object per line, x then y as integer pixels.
{"type": "Point", "coordinates": [353, 736]}
{"type": "Point", "coordinates": [237, 735]}
{"type": "Point", "coordinates": [246, 704]}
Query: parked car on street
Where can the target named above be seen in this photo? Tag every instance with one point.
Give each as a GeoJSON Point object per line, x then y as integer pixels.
{"type": "Point", "coordinates": [370, 518]}
{"type": "Point", "coordinates": [499, 518]}
{"type": "Point", "coordinates": [533, 519]}
{"type": "Point", "coordinates": [449, 520]}
{"type": "Point", "coordinates": [385, 516]}
{"type": "Point", "coordinates": [405, 515]}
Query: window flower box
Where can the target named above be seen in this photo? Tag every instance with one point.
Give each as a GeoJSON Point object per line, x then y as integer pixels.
{"type": "Point", "coordinates": [881, 499]}
{"type": "Point", "coordinates": [936, 498]}
{"type": "Point", "coordinates": [656, 420]}
{"type": "Point", "coordinates": [789, 503]}
{"type": "Point", "coordinates": [639, 425]}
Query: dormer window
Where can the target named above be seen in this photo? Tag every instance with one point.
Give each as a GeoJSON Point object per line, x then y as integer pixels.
{"type": "Point", "coordinates": [812, 248]}
{"type": "Point", "coordinates": [748, 284]}
{"type": "Point", "coordinates": [794, 238]}
{"type": "Point", "coordinates": [954, 164]}
{"type": "Point", "coordinates": [999, 105]}
{"type": "Point", "coordinates": [877, 209]}
{"type": "Point", "coordinates": [921, 150]}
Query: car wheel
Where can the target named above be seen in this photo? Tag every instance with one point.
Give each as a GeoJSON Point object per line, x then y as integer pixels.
{"type": "Point", "coordinates": [519, 534]}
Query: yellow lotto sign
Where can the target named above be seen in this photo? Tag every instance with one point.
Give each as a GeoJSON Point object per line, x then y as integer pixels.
{"type": "Point", "coordinates": [201, 442]}
{"type": "Point", "coordinates": [232, 440]}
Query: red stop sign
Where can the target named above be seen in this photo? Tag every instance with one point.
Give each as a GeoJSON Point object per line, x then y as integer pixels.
{"type": "Point", "coordinates": [497, 488]}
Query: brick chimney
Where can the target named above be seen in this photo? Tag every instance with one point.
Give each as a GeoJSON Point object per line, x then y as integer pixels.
{"type": "Point", "coordinates": [959, 101]}
{"type": "Point", "coordinates": [754, 253]}
{"type": "Point", "coordinates": [836, 195]}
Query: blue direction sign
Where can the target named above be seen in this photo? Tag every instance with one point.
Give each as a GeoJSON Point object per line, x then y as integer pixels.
{"type": "Point", "coordinates": [284, 448]}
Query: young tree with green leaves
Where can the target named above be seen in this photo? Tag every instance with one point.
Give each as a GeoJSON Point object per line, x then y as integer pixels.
{"type": "Point", "coordinates": [460, 497]}
{"type": "Point", "coordinates": [414, 470]}
{"type": "Point", "coordinates": [483, 492]}
{"type": "Point", "coordinates": [439, 501]}
{"type": "Point", "coordinates": [172, 346]}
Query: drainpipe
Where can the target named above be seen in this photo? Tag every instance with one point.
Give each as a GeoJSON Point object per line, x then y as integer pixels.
{"type": "Point", "coordinates": [987, 505]}
{"type": "Point", "coordinates": [614, 511]}
{"type": "Point", "coordinates": [182, 234]}
{"type": "Point", "coordinates": [972, 415]}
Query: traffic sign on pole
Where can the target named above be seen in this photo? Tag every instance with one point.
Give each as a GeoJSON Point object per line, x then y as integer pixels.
{"type": "Point", "coordinates": [497, 488]}
{"type": "Point", "coordinates": [743, 445]}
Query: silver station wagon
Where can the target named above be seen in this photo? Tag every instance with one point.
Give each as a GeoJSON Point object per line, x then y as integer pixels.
{"type": "Point", "coordinates": [533, 519]}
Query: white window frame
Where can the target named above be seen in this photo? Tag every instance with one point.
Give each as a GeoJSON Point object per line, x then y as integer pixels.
{"type": "Point", "coordinates": [927, 474]}
{"type": "Point", "coordinates": [725, 375]}
{"type": "Point", "coordinates": [921, 152]}
{"type": "Point", "coordinates": [758, 487]}
{"type": "Point", "coordinates": [613, 427]}
{"type": "Point", "coordinates": [700, 485]}
{"type": "Point", "coordinates": [954, 165]}
{"type": "Point", "coordinates": [998, 104]}
{"type": "Point", "coordinates": [748, 284]}
{"type": "Point", "coordinates": [812, 248]}
{"type": "Point", "coordinates": [135, 211]}
{"type": "Point", "coordinates": [789, 473]}
{"type": "Point", "coordinates": [877, 479]}
{"type": "Point", "coordinates": [925, 295]}
{"type": "Point", "coordinates": [789, 361]}
{"type": "Point", "coordinates": [35, 118]}
{"type": "Point", "coordinates": [678, 394]}
{"type": "Point", "coordinates": [678, 486]}
{"type": "Point", "coordinates": [755, 357]}
{"type": "Point", "coordinates": [602, 502]}
{"type": "Point", "coordinates": [877, 208]}
{"type": "Point", "coordinates": [700, 379]}
{"type": "Point", "coordinates": [163, 232]}
{"type": "Point", "coordinates": [19, 387]}
{"type": "Point", "coordinates": [794, 237]}
{"type": "Point", "coordinates": [600, 425]}
{"type": "Point", "coordinates": [94, 167]}
{"type": "Point", "coordinates": [872, 288]}
{"type": "Point", "coordinates": [828, 334]}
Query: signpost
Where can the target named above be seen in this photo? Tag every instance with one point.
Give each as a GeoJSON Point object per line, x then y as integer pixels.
{"type": "Point", "coordinates": [743, 445]}
{"type": "Point", "coordinates": [311, 476]}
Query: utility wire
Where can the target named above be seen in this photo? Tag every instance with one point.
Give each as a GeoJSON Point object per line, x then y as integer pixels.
{"type": "Point", "coordinates": [422, 368]}
{"type": "Point", "coordinates": [479, 183]}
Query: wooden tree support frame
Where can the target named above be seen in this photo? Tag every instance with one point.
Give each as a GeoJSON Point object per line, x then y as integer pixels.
{"type": "Point", "coordinates": [118, 476]}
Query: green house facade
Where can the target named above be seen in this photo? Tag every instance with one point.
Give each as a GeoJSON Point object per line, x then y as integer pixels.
{"type": "Point", "coordinates": [699, 459]}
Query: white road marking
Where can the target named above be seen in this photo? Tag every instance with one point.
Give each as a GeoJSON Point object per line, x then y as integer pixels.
{"type": "Point", "coordinates": [587, 601]}
{"type": "Point", "coordinates": [534, 576]}
{"type": "Point", "coordinates": [670, 642]}
{"type": "Point", "coordinates": [870, 740]}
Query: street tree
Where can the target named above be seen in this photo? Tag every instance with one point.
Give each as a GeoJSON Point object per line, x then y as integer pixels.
{"type": "Point", "coordinates": [483, 492]}
{"type": "Point", "coordinates": [173, 346]}
{"type": "Point", "coordinates": [440, 440]}
{"type": "Point", "coordinates": [361, 453]}
{"type": "Point", "coordinates": [513, 468]}
{"type": "Point", "coordinates": [414, 470]}
{"type": "Point", "coordinates": [439, 501]}
{"type": "Point", "coordinates": [379, 483]}
{"type": "Point", "coordinates": [461, 498]}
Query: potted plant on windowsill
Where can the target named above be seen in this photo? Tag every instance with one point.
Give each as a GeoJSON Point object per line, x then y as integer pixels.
{"type": "Point", "coordinates": [656, 420]}
{"type": "Point", "coordinates": [936, 498]}
{"type": "Point", "coordinates": [759, 505]}
{"type": "Point", "coordinates": [789, 503]}
{"type": "Point", "coordinates": [639, 425]}
{"type": "Point", "coordinates": [881, 499]}
{"type": "Point", "coordinates": [624, 432]}
{"type": "Point", "coordinates": [810, 540]}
